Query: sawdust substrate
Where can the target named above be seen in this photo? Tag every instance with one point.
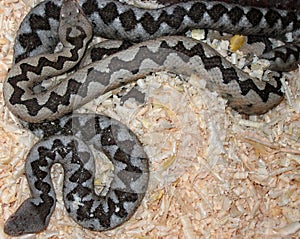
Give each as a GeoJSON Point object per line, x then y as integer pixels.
{"type": "Point", "coordinates": [214, 172]}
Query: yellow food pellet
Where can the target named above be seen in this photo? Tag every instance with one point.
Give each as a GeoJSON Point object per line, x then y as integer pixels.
{"type": "Point", "coordinates": [236, 42]}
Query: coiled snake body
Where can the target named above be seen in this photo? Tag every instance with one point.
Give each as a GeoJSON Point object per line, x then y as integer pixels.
{"type": "Point", "coordinates": [28, 100]}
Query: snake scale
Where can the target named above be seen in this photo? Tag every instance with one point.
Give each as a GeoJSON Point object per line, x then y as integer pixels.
{"type": "Point", "coordinates": [66, 137]}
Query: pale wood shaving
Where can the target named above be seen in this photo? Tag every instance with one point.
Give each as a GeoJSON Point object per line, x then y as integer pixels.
{"type": "Point", "coordinates": [214, 174]}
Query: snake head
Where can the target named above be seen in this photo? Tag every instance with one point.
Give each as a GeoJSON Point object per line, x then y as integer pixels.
{"type": "Point", "coordinates": [29, 218]}
{"type": "Point", "coordinates": [73, 23]}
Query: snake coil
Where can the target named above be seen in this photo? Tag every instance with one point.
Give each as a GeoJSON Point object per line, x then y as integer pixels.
{"type": "Point", "coordinates": [66, 137]}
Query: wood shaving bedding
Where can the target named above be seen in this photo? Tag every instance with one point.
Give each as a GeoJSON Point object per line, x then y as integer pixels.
{"type": "Point", "coordinates": [214, 173]}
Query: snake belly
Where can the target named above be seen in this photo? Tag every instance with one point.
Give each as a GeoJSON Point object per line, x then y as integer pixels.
{"type": "Point", "coordinates": [66, 138]}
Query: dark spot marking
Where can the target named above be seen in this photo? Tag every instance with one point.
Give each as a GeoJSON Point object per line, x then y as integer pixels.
{"type": "Point", "coordinates": [217, 11]}
{"type": "Point", "coordinates": [109, 13]}
{"type": "Point", "coordinates": [197, 11]}
{"type": "Point", "coordinates": [235, 14]}
{"type": "Point", "coordinates": [254, 16]}
{"type": "Point", "coordinates": [272, 17]}
{"type": "Point", "coordinates": [128, 20]}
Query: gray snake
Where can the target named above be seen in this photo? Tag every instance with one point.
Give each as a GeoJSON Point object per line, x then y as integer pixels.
{"type": "Point", "coordinates": [49, 23]}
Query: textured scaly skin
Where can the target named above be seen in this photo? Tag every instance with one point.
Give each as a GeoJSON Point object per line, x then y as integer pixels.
{"type": "Point", "coordinates": [180, 55]}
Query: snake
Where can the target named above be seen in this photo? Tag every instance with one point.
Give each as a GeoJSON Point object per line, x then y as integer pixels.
{"type": "Point", "coordinates": [145, 41]}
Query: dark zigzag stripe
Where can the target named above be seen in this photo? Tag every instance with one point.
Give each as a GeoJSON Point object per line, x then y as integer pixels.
{"type": "Point", "coordinates": [113, 203]}
{"type": "Point", "coordinates": [32, 105]}
{"type": "Point", "coordinates": [80, 190]}
{"type": "Point", "coordinates": [47, 157]}
{"type": "Point", "coordinates": [77, 42]}
{"type": "Point", "coordinates": [52, 104]}
{"type": "Point", "coordinates": [125, 158]}
{"type": "Point", "coordinates": [293, 51]}
{"type": "Point", "coordinates": [129, 21]}
{"type": "Point", "coordinates": [108, 140]}
{"type": "Point", "coordinates": [61, 60]}
{"type": "Point", "coordinates": [38, 166]}
{"type": "Point", "coordinates": [55, 99]}
{"type": "Point", "coordinates": [30, 41]}
{"type": "Point", "coordinates": [228, 75]}
{"type": "Point", "coordinates": [249, 85]}
{"type": "Point", "coordinates": [109, 12]}
{"type": "Point", "coordinates": [98, 53]}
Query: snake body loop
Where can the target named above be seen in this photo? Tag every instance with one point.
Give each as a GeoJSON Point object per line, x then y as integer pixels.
{"type": "Point", "coordinates": [66, 137]}
{"type": "Point", "coordinates": [72, 150]}
{"type": "Point", "coordinates": [112, 19]}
